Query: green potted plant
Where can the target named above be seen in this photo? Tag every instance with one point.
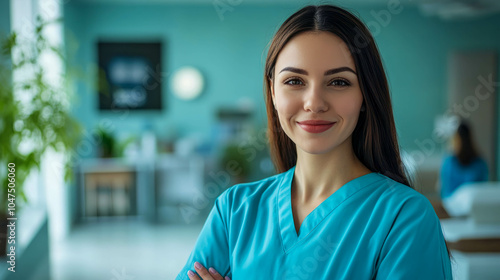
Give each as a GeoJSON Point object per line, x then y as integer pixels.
{"type": "Point", "coordinates": [232, 158]}
{"type": "Point", "coordinates": [28, 128]}
{"type": "Point", "coordinates": [107, 147]}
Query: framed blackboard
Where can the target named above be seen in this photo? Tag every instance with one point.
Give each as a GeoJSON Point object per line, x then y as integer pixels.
{"type": "Point", "coordinates": [130, 75]}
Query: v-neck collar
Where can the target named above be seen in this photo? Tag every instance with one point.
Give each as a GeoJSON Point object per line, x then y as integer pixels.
{"type": "Point", "coordinates": [284, 202]}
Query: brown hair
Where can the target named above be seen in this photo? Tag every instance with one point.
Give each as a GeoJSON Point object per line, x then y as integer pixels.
{"type": "Point", "coordinates": [467, 151]}
{"type": "Point", "coordinates": [374, 139]}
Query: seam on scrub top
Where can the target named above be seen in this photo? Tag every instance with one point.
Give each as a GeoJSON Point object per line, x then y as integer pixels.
{"type": "Point", "coordinates": [390, 230]}
{"type": "Point", "coordinates": [217, 202]}
{"type": "Point", "coordinates": [387, 235]}
{"type": "Point", "coordinates": [302, 240]}
{"type": "Point", "coordinates": [278, 214]}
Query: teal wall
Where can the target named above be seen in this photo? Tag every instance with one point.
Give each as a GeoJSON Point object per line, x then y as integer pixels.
{"type": "Point", "coordinates": [231, 54]}
{"type": "Point", "coordinates": [4, 17]}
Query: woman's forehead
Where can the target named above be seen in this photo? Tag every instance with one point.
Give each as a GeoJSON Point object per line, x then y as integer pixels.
{"type": "Point", "coordinates": [315, 51]}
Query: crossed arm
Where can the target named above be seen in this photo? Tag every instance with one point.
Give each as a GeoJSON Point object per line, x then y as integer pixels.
{"type": "Point", "coordinates": [210, 274]}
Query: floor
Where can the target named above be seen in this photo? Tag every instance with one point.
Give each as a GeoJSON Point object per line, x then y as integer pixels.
{"type": "Point", "coordinates": [122, 250]}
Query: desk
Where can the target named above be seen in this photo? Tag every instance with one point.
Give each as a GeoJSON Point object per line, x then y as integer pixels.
{"type": "Point", "coordinates": [156, 189]}
{"type": "Point", "coordinates": [108, 187]}
{"type": "Point", "coordinates": [476, 248]}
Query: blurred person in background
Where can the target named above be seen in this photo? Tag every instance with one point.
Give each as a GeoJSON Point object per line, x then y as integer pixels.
{"type": "Point", "coordinates": [464, 165]}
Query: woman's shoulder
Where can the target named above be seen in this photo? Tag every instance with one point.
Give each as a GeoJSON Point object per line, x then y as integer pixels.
{"type": "Point", "coordinates": [453, 159]}
{"type": "Point", "coordinates": [254, 190]}
{"type": "Point", "coordinates": [449, 158]}
{"type": "Point", "coordinates": [399, 196]}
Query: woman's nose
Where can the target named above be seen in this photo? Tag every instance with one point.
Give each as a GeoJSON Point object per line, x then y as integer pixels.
{"type": "Point", "coordinates": [314, 101]}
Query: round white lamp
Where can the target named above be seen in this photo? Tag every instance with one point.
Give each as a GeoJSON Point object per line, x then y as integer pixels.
{"type": "Point", "coordinates": [187, 83]}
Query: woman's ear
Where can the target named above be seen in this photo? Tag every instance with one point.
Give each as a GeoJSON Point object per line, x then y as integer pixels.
{"type": "Point", "coordinates": [271, 85]}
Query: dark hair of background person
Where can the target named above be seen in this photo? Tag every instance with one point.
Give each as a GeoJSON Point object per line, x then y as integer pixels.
{"type": "Point", "coordinates": [466, 151]}
{"type": "Point", "coordinates": [374, 139]}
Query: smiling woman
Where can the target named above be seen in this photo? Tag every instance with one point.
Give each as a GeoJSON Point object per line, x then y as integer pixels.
{"type": "Point", "coordinates": [341, 206]}
{"type": "Point", "coordinates": [317, 107]}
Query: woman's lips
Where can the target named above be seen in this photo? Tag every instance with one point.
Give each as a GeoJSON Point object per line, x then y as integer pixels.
{"type": "Point", "coordinates": [316, 126]}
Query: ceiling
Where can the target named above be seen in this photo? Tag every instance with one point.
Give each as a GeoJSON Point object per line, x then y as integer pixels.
{"type": "Point", "coordinates": [444, 9]}
{"type": "Point", "coordinates": [237, 2]}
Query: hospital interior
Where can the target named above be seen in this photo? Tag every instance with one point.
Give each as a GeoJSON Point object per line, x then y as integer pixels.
{"type": "Point", "coordinates": [124, 120]}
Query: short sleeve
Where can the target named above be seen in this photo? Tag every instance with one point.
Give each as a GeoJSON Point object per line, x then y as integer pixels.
{"type": "Point", "coordinates": [211, 248]}
{"type": "Point", "coordinates": [415, 247]}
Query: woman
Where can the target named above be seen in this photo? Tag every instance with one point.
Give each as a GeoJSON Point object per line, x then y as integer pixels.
{"type": "Point", "coordinates": [341, 206]}
{"type": "Point", "coordinates": [464, 165]}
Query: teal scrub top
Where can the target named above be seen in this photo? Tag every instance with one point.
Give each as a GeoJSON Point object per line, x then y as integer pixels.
{"type": "Point", "coordinates": [371, 228]}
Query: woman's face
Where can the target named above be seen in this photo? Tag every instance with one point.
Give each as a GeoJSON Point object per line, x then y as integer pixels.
{"type": "Point", "coordinates": [315, 79]}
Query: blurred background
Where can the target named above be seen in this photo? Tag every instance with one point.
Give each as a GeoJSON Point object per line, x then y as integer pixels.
{"type": "Point", "coordinates": [123, 120]}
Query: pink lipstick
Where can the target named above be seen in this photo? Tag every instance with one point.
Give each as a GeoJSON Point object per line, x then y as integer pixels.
{"type": "Point", "coordinates": [315, 126]}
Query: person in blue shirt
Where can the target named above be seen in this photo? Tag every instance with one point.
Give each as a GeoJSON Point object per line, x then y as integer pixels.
{"type": "Point", "coordinates": [465, 165]}
{"type": "Point", "coordinates": [341, 205]}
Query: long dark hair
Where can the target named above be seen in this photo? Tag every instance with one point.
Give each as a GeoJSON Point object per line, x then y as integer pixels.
{"type": "Point", "coordinates": [467, 151]}
{"type": "Point", "coordinates": [374, 139]}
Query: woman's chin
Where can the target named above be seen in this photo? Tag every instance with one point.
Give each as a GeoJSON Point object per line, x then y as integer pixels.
{"type": "Point", "coordinates": [316, 150]}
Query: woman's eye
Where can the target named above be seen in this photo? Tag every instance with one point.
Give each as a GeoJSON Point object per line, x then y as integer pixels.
{"type": "Point", "coordinates": [335, 83]}
{"type": "Point", "coordinates": [340, 83]}
{"type": "Point", "coordinates": [294, 82]}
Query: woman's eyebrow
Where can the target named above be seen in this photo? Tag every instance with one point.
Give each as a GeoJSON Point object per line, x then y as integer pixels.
{"type": "Point", "coordinates": [327, 72]}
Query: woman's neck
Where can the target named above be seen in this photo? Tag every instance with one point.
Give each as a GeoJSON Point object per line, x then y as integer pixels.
{"type": "Point", "coordinates": [317, 176]}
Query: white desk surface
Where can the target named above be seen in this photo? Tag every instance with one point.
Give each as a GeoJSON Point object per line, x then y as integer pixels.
{"type": "Point", "coordinates": [455, 229]}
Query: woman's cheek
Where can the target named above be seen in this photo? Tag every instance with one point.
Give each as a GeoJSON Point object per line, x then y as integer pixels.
{"type": "Point", "coordinates": [348, 106]}
{"type": "Point", "coordinates": [285, 114]}
{"type": "Point", "coordinates": [288, 104]}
